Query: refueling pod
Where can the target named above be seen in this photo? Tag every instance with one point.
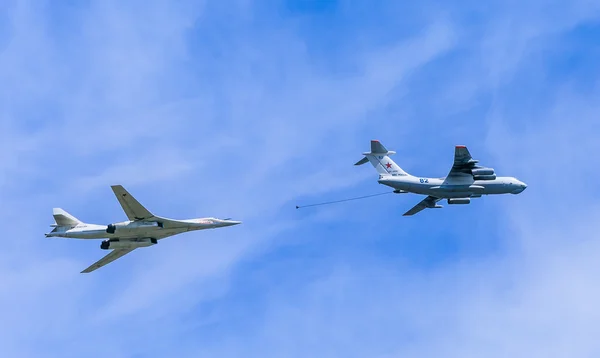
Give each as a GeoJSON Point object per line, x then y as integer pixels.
{"type": "Point", "coordinates": [459, 201]}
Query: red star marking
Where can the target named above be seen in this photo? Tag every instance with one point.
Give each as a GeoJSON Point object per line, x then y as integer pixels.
{"type": "Point", "coordinates": [388, 165]}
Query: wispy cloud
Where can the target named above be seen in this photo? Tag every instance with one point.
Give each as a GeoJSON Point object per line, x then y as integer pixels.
{"type": "Point", "coordinates": [204, 108]}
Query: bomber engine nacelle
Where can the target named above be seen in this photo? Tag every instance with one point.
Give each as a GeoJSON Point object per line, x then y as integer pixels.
{"type": "Point", "coordinates": [128, 227]}
{"type": "Point", "coordinates": [459, 201]}
{"type": "Point", "coordinates": [127, 244]}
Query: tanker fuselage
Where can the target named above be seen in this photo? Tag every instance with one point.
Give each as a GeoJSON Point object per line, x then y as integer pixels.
{"type": "Point", "coordinates": [466, 188]}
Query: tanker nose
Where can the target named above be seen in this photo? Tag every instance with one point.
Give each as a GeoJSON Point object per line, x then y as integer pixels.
{"type": "Point", "coordinates": [521, 186]}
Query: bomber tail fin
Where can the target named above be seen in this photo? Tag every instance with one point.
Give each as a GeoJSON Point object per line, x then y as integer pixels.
{"type": "Point", "coordinates": [379, 157]}
{"type": "Point", "coordinates": [63, 218]}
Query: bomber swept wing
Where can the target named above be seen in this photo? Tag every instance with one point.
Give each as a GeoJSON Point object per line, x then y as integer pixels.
{"type": "Point", "coordinates": [112, 256]}
{"type": "Point", "coordinates": [132, 208]}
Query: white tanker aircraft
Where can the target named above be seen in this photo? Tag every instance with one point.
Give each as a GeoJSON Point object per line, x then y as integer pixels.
{"type": "Point", "coordinates": [142, 229]}
{"type": "Point", "coordinates": [466, 179]}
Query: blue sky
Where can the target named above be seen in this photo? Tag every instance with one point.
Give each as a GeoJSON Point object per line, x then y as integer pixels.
{"type": "Point", "coordinates": [244, 109]}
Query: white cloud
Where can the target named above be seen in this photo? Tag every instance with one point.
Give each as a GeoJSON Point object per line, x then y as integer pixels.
{"type": "Point", "coordinates": [536, 297]}
{"type": "Point", "coordinates": [116, 115]}
{"type": "Point", "coordinates": [248, 133]}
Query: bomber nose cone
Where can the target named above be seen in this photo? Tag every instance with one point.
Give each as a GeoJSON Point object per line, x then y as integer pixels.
{"type": "Point", "coordinates": [231, 222]}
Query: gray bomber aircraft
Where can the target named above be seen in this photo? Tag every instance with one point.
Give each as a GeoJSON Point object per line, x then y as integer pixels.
{"type": "Point", "coordinates": [466, 179]}
{"type": "Point", "coordinates": [141, 230]}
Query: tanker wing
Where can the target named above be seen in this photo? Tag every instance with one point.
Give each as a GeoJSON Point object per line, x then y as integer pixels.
{"type": "Point", "coordinates": [428, 202]}
{"type": "Point", "coordinates": [463, 163]}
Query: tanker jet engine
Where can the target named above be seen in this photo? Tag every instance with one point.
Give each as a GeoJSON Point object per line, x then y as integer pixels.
{"type": "Point", "coordinates": [466, 179]}
{"type": "Point", "coordinates": [142, 229]}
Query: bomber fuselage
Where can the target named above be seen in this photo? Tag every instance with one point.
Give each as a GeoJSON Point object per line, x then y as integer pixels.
{"type": "Point", "coordinates": [158, 229]}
